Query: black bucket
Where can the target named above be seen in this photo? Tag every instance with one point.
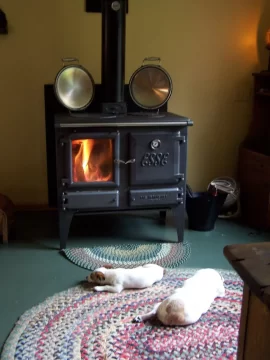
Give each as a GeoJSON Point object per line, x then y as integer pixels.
{"type": "Point", "coordinates": [203, 209]}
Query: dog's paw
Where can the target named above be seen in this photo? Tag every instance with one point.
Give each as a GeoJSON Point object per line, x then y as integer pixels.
{"type": "Point", "coordinates": [137, 319]}
{"type": "Point", "coordinates": [98, 288]}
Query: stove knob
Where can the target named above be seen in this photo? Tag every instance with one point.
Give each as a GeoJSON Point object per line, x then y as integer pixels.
{"type": "Point", "coordinates": [155, 144]}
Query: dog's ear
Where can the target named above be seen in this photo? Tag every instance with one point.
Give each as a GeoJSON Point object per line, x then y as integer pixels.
{"type": "Point", "coordinates": [107, 266]}
{"type": "Point", "coordinates": [99, 276]}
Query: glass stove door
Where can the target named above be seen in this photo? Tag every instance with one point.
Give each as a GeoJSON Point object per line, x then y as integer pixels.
{"type": "Point", "coordinates": [93, 160]}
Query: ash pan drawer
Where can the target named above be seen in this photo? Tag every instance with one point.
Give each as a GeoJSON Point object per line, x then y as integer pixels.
{"type": "Point", "coordinates": [153, 197]}
{"type": "Point", "coordinates": [91, 199]}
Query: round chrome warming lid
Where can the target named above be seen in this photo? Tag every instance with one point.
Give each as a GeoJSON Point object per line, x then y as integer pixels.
{"type": "Point", "coordinates": [150, 86]}
{"type": "Point", "coordinates": [74, 86]}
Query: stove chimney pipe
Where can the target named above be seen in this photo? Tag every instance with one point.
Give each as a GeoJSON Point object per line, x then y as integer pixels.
{"type": "Point", "coordinates": [113, 55]}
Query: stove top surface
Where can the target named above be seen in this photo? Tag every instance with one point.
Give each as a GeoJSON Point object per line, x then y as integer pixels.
{"type": "Point", "coordinates": [129, 119]}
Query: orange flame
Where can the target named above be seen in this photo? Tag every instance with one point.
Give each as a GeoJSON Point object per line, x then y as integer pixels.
{"type": "Point", "coordinates": [92, 160]}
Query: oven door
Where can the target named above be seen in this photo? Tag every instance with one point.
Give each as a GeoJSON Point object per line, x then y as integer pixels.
{"type": "Point", "coordinates": [91, 160]}
{"type": "Point", "coordinates": [158, 159]}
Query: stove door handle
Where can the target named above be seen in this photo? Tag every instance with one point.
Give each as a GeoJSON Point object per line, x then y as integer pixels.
{"type": "Point", "coordinates": [131, 161]}
{"type": "Point", "coordinates": [118, 161]}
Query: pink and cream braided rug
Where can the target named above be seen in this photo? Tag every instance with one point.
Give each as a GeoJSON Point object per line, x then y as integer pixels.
{"type": "Point", "coordinates": [81, 324]}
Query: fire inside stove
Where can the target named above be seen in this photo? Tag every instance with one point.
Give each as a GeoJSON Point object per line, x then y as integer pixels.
{"type": "Point", "coordinates": [92, 160]}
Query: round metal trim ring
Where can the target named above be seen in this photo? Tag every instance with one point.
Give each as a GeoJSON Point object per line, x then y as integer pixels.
{"type": "Point", "coordinates": [116, 5]}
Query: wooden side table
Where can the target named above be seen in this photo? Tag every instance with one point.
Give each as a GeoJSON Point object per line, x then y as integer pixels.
{"type": "Point", "coordinates": [252, 263]}
{"type": "Point", "coordinates": [254, 158]}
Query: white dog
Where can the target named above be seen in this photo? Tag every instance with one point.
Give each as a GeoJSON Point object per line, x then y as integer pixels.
{"type": "Point", "coordinates": [115, 280]}
{"type": "Point", "coordinates": [187, 304]}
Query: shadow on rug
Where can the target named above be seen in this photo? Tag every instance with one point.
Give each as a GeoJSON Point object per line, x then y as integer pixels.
{"type": "Point", "coordinates": [81, 324]}
{"type": "Point", "coordinates": [168, 255]}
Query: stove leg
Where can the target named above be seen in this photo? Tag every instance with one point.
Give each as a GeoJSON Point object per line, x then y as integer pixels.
{"type": "Point", "coordinates": [162, 216]}
{"type": "Point", "coordinates": [65, 218]}
{"type": "Point", "coordinates": [178, 216]}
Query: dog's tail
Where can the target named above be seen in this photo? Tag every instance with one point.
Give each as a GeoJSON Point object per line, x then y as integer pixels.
{"type": "Point", "coordinates": [175, 313]}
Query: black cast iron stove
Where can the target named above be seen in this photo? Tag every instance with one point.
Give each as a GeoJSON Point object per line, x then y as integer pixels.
{"type": "Point", "coordinates": [119, 160]}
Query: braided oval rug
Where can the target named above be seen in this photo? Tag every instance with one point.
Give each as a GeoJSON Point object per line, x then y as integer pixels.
{"type": "Point", "coordinates": [80, 324]}
{"type": "Point", "coordinates": [168, 255]}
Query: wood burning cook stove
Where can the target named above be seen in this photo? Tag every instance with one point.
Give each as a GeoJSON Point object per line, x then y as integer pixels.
{"type": "Point", "coordinates": [122, 158]}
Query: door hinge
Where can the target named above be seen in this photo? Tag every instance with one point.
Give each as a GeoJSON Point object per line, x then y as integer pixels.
{"type": "Point", "coordinates": [180, 138]}
{"type": "Point", "coordinates": [180, 176]}
{"type": "Point", "coordinates": [64, 181]}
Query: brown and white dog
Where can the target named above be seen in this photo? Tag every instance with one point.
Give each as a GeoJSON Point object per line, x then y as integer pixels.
{"type": "Point", "coordinates": [187, 304]}
{"type": "Point", "coordinates": [115, 280]}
